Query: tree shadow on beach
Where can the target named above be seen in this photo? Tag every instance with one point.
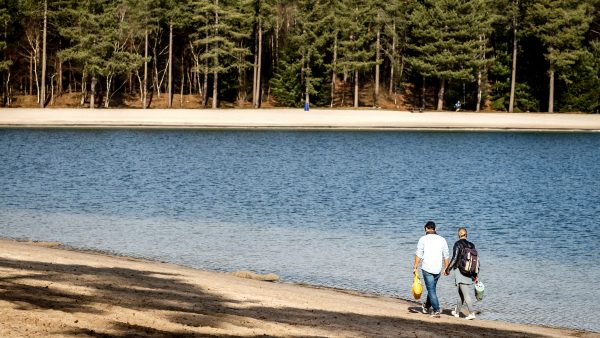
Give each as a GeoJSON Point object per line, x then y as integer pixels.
{"type": "Point", "coordinates": [184, 307]}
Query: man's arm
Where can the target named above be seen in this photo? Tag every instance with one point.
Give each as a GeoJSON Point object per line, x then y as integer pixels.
{"type": "Point", "coordinates": [416, 265]}
{"type": "Point", "coordinates": [446, 255]}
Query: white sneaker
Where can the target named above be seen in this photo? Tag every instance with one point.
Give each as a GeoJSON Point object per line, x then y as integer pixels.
{"type": "Point", "coordinates": [436, 314]}
{"type": "Point", "coordinates": [471, 316]}
{"type": "Point", "coordinates": [455, 314]}
{"type": "Point", "coordinates": [424, 309]}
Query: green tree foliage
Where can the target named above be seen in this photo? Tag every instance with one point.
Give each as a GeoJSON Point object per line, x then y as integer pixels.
{"type": "Point", "coordinates": [582, 93]}
{"type": "Point", "coordinates": [446, 41]}
{"type": "Point", "coordinates": [99, 39]}
{"type": "Point", "coordinates": [324, 52]}
{"type": "Point", "coordinates": [561, 26]}
{"type": "Point", "coordinates": [357, 34]}
{"type": "Point", "coordinates": [286, 84]}
{"type": "Point", "coordinates": [5, 20]}
{"type": "Point", "coordinates": [220, 31]}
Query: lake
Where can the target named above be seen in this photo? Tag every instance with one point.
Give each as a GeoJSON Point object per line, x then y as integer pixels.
{"type": "Point", "coordinates": [334, 208]}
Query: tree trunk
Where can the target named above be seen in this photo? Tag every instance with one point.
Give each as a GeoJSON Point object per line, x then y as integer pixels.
{"type": "Point", "coordinates": [93, 93]}
{"type": "Point", "coordinates": [52, 90]}
{"type": "Point", "coordinates": [255, 70]}
{"type": "Point", "coordinates": [513, 78]}
{"type": "Point", "coordinates": [182, 82]}
{"type": "Point", "coordinates": [215, 89]}
{"type": "Point", "coordinates": [170, 98]}
{"type": "Point", "coordinates": [205, 85]}
{"type": "Point", "coordinates": [440, 105]}
{"type": "Point", "coordinates": [259, 66]}
{"type": "Point", "coordinates": [356, 88]}
{"type": "Point", "coordinates": [392, 59]}
{"type": "Point", "coordinates": [423, 92]}
{"type": "Point", "coordinates": [377, 67]}
{"type": "Point", "coordinates": [216, 60]}
{"type": "Point", "coordinates": [333, 69]}
{"type": "Point", "coordinates": [83, 88]}
{"type": "Point", "coordinates": [551, 94]}
{"type": "Point", "coordinates": [30, 74]}
{"type": "Point", "coordinates": [145, 82]}
{"type": "Point", "coordinates": [44, 34]}
{"type": "Point", "coordinates": [59, 81]}
{"type": "Point", "coordinates": [479, 76]}
{"type": "Point", "coordinates": [108, 85]}
{"type": "Point", "coordinates": [478, 108]}
{"type": "Point", "coordinates": [7, 92]}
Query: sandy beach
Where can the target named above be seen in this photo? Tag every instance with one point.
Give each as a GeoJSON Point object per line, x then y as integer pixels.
{"type": "Point", "coordinates": [367, 119]}
{"type": "Point", "coordinates": [48, 291]}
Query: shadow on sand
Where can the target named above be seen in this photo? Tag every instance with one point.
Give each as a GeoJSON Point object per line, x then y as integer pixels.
{"type": "Point", "coordinates": [189, 306]}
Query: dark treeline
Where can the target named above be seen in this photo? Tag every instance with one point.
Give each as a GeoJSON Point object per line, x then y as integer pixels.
{"type": "Point", "coordinates": [507, 55]}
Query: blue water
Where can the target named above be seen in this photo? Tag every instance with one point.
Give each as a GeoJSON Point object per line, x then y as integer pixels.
{"type": "Point", "coordinates": [342, 209]}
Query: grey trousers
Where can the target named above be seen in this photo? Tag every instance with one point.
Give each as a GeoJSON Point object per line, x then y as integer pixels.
{"type": "Point", "coordinates": [464, 297]}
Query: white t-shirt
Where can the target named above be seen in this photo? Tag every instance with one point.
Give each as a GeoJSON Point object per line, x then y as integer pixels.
{"type": "Point", "coordinates": [432, 249]}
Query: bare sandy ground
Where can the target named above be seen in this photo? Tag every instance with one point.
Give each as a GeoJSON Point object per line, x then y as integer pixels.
{"type": "Point", "coordinates": [46, 291]}
{"type": "Point", "coordinates": [295, 119]}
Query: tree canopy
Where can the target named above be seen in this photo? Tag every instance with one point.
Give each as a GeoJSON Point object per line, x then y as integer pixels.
{"type": "Point", "coordinates": [506, 55]}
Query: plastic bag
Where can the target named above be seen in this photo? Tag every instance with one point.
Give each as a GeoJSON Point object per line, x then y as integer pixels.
{"type": "Point", "coordinates": [417, 287]}
{"type": "Point", "coordinates": [479, 289]}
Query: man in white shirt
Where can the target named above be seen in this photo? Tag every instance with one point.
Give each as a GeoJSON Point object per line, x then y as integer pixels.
{"type": "Point", "coordinates": [432, 251]}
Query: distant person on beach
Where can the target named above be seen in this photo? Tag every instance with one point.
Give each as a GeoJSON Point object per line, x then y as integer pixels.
{"type": "Point", "coordinates": [432, 252]}
{"type": "Point", "coordinates": [463, 281]}
{"type": "Point", "coordinates": [457, 105]}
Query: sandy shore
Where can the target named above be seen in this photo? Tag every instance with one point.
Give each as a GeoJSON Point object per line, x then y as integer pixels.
{"type": "Point", "coordinates": [295, 119]}
{"type": "Point", "coordinates": [49, 291]}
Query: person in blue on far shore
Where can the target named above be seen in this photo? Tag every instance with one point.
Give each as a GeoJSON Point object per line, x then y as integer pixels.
{"type": "Point", "coordinates": [432, 253]}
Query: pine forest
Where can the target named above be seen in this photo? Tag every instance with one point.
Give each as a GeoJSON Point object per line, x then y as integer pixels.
{"type": "Point", "coordinates": [491, 55]}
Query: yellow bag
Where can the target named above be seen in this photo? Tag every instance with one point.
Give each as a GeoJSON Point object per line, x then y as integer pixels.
{"type": "Point", "coordinates": [417, 287]}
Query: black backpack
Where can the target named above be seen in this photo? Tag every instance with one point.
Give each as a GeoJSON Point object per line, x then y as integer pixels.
{"type": "Point", "coordinates": [468, 263]}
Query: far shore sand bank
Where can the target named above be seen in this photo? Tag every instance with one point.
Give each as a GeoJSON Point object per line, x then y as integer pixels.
{"type": "Point", "coordinates": [360, 119]}
{"type": "Point", "coordinates": [47, 291]}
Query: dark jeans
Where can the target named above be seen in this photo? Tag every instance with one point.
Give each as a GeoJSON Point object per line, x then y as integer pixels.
{"type": "Point", "coordinates": [431, 283]}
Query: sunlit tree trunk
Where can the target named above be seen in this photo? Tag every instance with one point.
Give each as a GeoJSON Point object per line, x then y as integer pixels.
{"type": "Point", "coordinates": [377, 67]}
{"type": "Point", "coordinates": [440, 105]}
{"type": "Point", "coordinates": [333, 69]}
{"type": "Point", "coordinates": [513, 78]}
{"type": "Point", "coordinates": [392, 63]}
{"type": "Point", "coordinates": [170, 98]}
{"type": "Point", "coordinates": [45, 31]}
{"type": "Point", "coordinates": [259, 66]}
{"type": "Point", "coordinates": [145, 82]}
{"type": "Point", "coordinates": [93, 93]}
{"type": "Point", "coordinates": [551, 94]}
{"type": "Point", "coordinates": [356, 88]}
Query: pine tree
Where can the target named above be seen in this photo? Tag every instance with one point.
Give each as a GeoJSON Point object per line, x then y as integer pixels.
{"type": "Point", "coordinates": [561, 26]}
{"type": "Point", "coordinates": [446, 41]}
{"type": "Point", "coordinates": [395, 31]}
{"type": "Point", "coordinates": [5, 62]}
{"type": "Point", "coordinates": [264, 21]}
{"type": "Point", "coordinates": [582, 93]}
{"type": "Point", "coordinates": [356, 37]}
{"type": "Point", "coordinates": [219, 30]}
{"type": "Point", "coordinates": [177, 15]}
{"type": "Point", "coordinates": [311, 42]}
{"type": "Point", "coordinates": [32, 17]}
{"type": "Point", "coordinates": [99, 39]}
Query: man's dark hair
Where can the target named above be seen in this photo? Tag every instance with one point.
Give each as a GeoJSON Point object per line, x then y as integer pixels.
{"type": "Point", "coordinates": [430, 225]}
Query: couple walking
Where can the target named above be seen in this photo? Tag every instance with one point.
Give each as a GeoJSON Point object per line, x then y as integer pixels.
{"type": "Point", "coordinates": [432, 253]}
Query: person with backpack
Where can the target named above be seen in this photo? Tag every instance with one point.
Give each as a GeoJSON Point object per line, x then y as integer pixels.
{"type": "Point", "coordinates": [465, 263]}
{"type": "Point", "coordinates": [432, 252]}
